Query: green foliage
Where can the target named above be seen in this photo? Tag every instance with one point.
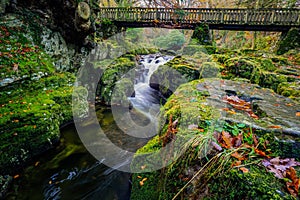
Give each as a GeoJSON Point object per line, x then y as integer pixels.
{"type": "Point", "coordinates": [202, 35]}
{"type": "Point", "coordinates": [174, 40]}
{"type": "Point", "coordinates": [291, 41]}
{"type": "Point", "coordinates": [133, 34]}
{"type": "Point", "coordinates": [244, 68]}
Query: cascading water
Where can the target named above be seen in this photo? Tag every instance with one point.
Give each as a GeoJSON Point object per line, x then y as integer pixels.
{"type": "Point", "coordinates": [147, 99]}
{"type": "Point", "coordinates": [72, 173]}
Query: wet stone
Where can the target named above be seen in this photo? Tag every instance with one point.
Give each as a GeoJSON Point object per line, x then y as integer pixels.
{"type": "Point", "coordinates": [275, 113]}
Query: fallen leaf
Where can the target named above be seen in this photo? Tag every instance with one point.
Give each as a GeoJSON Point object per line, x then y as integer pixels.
{"type": "Point", "coordinates": [216, 146]}
{"type": "Point", "coordinates": [16, 176]}
{"type": "Point", "coordinates": [238, 156]}
{"type": "Point", "coordinates": [225, 109]}
{"type": "Point", "coordinates": [236, 163]}
{"type": "Point", "coordinates": [275, 127]}
{"type": "Point", "coordinates": [143, 167]}
{"type": "Point", "coordinates": [275, 161]}
{"type": "Point", "coordinates": [238, 140]}
{"type": "Point", "coordinates": [139, 176]}
{"type": "Point", "coordinates": [227, 139]}
{"type": "Point", "coordinates": [141, 183]}
{"type": "Point", "coordinates": [37, 163]}
{"type": "Point", "coordinates": [277, 173]}
{"type": "Point", "coordinates": [297, 114]}
{"type": "Point", "coordinates": [244, 169]}
{"type": "Point", "coordinates": [293, 186]}
{"type": "Point", "coordinates": [255, 139]}
{"type": "Point", "coordinates": [261, 153]}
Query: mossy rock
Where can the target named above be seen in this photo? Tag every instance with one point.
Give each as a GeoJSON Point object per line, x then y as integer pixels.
{"type": "Point", "coordinates": [272, 80]}
{"type": "Point", "coordinates": [210, 70]}
{"type": "Point", "coordinates": [202, 35]}
{"type": "Point", "coordinates": [123, 89]}
{"type": "Point", "coordinates": [221, 58]}
{"type": "Point", "coordinates": [220, 180]}
{"type": "Point", "coordinates": [289, 89]}
{"type": "Point", "coordinates": [112, 74]}
{"type": "Point", "coordinates": [31, 114]}
{"type": "Point", "coordinates": [193, 49]}
{"type": "Point", "coordinates": [244, 68]}
{"type": "Point", "coordinates": [171, 75]}
{"type": "Point", "coordinates": [290, 41]}
{"type": "Point", "coordinates": [267, 64]}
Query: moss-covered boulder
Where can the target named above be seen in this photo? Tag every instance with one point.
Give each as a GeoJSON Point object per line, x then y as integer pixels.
{"type": "Point", "coordinates": [113, 73]}
{"type": "Point", "coordinates": [203, 109]}
{"type": "Point", "coordinates": [244, 68]}
{"type": "Point", "coordinates": [260, 71]}
{"type": "Point", "coordinates": [290, 41]}
{"type": "Point", "coordinates": [31, 114]}
{"type": "Point", "coordinates": [290, 89]}
{"type": "Point", "coordinates": [210, 70]}
{"type": "Point", "coordinates": [174, 73]}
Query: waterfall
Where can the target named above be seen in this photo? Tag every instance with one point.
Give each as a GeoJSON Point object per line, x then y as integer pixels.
{"type": "Point", "coordinates": [147, 100]}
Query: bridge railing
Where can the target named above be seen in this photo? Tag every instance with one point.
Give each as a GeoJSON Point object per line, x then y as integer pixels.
{"type": "Point", "coordinates": [290, 17]}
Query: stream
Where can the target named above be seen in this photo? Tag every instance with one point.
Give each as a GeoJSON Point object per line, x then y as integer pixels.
{"type": "Point", "coordinates": [70, 172]}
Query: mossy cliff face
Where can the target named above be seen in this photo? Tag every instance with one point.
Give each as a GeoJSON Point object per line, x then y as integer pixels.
{"type": "Point", "coordinates": [200, 113]}
{"type": "Point", "coordinates": [36, 94]}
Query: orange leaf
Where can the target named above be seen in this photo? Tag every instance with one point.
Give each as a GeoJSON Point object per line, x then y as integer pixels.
{"type": "Point", "coordinates": [291, 174]}
{"type": "Point", "coordinates": [237, 141]}
{"type": "Point", "coordinates": [261, 153]}
{"type": "Point", "coordinates": [275, 127]}
{"type": "Point", "coordinates": [227, 139]}
{"type": "Point", "coordinates": [16, 176]}
{"type": "Point", "coordinates": [141, 183]}
{"type": "Point", "coordinates": [244, 169]}
{"type": "Point", "coordinates": [225, 109]}
{"type": "Point", "coordinates": [297, 114]}
{"type": "Point", "coordinates": [236, 163]}
{"type": "Point", "coordinates": [238, 156]}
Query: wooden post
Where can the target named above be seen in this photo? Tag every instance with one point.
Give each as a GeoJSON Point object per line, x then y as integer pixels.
{"type": "Point", "coordinates": [222, 16]}
{"type": "Point", "coordinates": [272, 16]}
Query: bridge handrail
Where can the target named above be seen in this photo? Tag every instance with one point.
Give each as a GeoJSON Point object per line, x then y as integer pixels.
{"type": "Point", "coordinates": [261, 16]}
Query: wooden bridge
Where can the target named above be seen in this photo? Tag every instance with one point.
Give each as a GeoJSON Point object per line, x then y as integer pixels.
{"type": "Point", "coordinates": [217, 18]}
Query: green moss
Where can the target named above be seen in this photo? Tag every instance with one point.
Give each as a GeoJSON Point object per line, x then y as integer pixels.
{"type": "Point", "coordinates": [19, 58]}
{"type": "Point", "coordinates": [256, 184]}
{"type": "Point", "coordinates": [289, 89]}
{"type": "Point", "coordinates": [31, 114]}
{"type": "Point", "coordinates": [112, 74]}
{"type": "Point", "coordinates": [290, 41]}
{"type": "Point", "coordinates": [267, 64]}
{"type": "Point", "coordinates": [271, 80]}
{"type": "Point", "coordinates": [202, 35]}
{"type": "Point", "coordinates": [210, 70]}
{"type": "Point", "coordinates": [244, 68]}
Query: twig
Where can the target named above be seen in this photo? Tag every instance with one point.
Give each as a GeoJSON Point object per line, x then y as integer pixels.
{"type": "Point", "coordinates": [178, 193]}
